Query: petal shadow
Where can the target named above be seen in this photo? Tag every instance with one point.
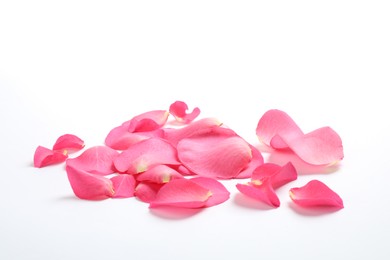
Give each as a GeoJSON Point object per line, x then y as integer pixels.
{"type": "Point", "coordinates": [250, 203]}
{"type": "Point", "coordinates": [174, 213]}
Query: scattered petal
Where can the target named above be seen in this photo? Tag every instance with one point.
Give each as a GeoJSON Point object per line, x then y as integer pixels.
{"type": "Point", "coordinates": [159, 174]}
{"type": "Point", "coordinates": [277, 175]}
{"type": "Point", "coordinates": [262, 192]}
{"type": "Point", "coordinates": [97, 160]}
{"type": "Point", "coordinates": [124, 186]}
{"type": "Point", "coordinates": [148, 121]}
{"type": "Point", "coordinates": [178, 110]}
{"type": "Point", "coordinates": [68, 142]}
{"type": "Point", "coordinates": [315, 193]}
{"type": "Point", "coordinates": [89, 186]}
{"type": "Point", "coordinates": [147, 191]}
{"type": "Point", "coordinates": [146, 154]}
{"type": "Point", "coordinates": [219, 193]}
{"type": "Point", "coordinates": [44, 157]}
{"type": "Point", "coordinates": [257, 160]}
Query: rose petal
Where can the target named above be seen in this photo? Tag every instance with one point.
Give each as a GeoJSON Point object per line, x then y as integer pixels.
{"type": "Point", "coordinates": [257, 160]}
{"type": "Point", "coordinates": [97, 160]}
{"type": "Point", "coordinates": [147, 191]}
{"type": "Point", "coordinates": [278, 176]}
{"type": "Point", "coordinates": [146, 154]}
{"type": "Point", "coordinates": [44, 157]}
{"type": "Point", "coordinates": [262, 192]}
{"type": "Point", "coordinates": [178, 110]}
{"type": "Point", "coordinates": [219, 193]}
{"type": "Point", "coordinates": [215, 154]}
{"type": "Point", "coordinates": [89, 186]}
{"type": "Point", "coordinates": [124, 186]}
{"type": "Point", "coordinates": [68, 142]}
{"type": "Point", "coordinates": [182, 193]}
{"type": "Point", "coordinates": [159, 174]}
{"type": "Point", "coordinates": [147, 121]}
{"type": "Point", "coordinates": [315, 193]}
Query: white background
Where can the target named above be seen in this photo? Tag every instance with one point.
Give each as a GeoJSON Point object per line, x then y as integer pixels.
{"type": "Point", "coordinates": [83, 67]}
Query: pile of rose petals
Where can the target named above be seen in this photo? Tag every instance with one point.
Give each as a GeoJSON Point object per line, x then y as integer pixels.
{"type": "Point", "coordinates": [179, 163]}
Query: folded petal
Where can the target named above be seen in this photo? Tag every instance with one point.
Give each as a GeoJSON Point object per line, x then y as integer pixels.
{"type": "Point", "coordinates": [68, 142]}
{"type": "Point", "coordinates": [277, 126]}
{"type": "Point", "coordinates": [277, 175]}
{"type": "Point", "coordinates": [256, 161]}
{"type": "Point", "coordinates": [319, 147]}
{"type": "Point", "coordinates": [178, 110]}
{"type": "Point", "coordinates": [89, 186]}
{"type": "Point", "coordinates": [315, 193]}
{"type": "Point", "coordinates": [147, 121]}
{"type": "Point", "coordinates": [219, 193]}
{"type": "Point", "coordinates": [215, 154]}
{"type": "Point", "coordinates": [159, 174]}
{"type": "Point", "coordinates": [97, 160]}
{"type": "Point", "coordinates": [146, 154]}
{"type": "Point", "coordinates": [124, 186]}
{"type": "Point", "coordinates": [182, 193]}
{"type": "Point", "coordinates": [147, 191]}
{"type": "Point", "coordinates": [262, 192]}
{"type": "Point", "coordinates": [44, 157]}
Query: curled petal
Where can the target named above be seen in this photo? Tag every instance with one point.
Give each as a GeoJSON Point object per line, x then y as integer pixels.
{"type": "Point", "coordinates": [159, 174]}
{"type": "Point", "coordinates": [146, 154]}
{"type": "Point", "coordinates": [215, 154]}
{"type": "Point", "coordinates": [262, 192]}
{"type": "Point", "coordinates": [275, 127]}
{"type": "Point", "coordinates": [89, 186]}
{"type": "Point", "coordinates": [277, 175]}
{"type": "Point", "coordinates": [182, 193]}
{"type": "Point", "coordinates": [124, 186]}
{"type": "Point", "coordinates": [44, 157]}
{"type": "Point", "coordinates": [178, 110]}
{"type": "Point", "coordinates": [315, 193]}
{"type": "Point", "coordinates": [256, 161]}
{"type": "Point", "coordinates": [97, 160]}
{"type": "Point", "coordinates": [147, 121]}
{"type": "Point", "coordinates": [147, 191]}
{"type": "Point", "coordinates": [219, 193]}
{"type": "Point", "coordinates": [68, 142]}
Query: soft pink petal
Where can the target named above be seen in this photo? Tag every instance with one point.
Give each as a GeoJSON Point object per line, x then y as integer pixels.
{"type": "Point", "coordinates": [146, 154]}
{"type": "Point", "coordinates": [215, 154]}
{"type": "Point", "coordinates": [219, 193]}
{"type": "Point", "coordinates": [182, 170]}
{"type": "Point", "coordinates": [257, 160]}
{"type": "Point", "coordinates": [44, 157]}
{"type": "Point", "coordinates": [315, 193]}
{"type": "Point", "coordinates": [68, 142]}
{"type": "Point", "coordinates": [262, 192]}
{"type": "Point", "coordinates": [97, 160]}
{"type": "Point", "coordinates": [319, 147]}
{"type": "Point", "coordinates": [277, 126]}
{"type": "Point", "coordinates": [182, 193]}
{"type": "Point", "coordinates": [89, 186]}
{"type": "Point", "coordinates": [147, 191]}
{"type": "Point", "coordinates": [178, 110]}
{"type": "Point", "coordinates": [277, 175]}
{"type": "Point", "coordinates": [174, 135]}
{"type": "Point", "coordinates": [159, 174]}
{"type": "Point", "coordinates": [147, 121]}
{"type": "Point", "coordinates": [124, 186]}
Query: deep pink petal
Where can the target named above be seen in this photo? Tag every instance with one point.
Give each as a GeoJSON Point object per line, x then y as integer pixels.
{"type": "Point", "coordinates": [44, 157]}
{"type": "Point", "coordinates": [257, 160]}
{"type": "Point", "coordinates": [124, 186]}
{"type": "Point", "coordinates": [179, 110]}
{"type": "Point", "coordinates": [262, 192]}
{"type": "Point", "coordinates": [219, 193]}
{"type": "Point", "coordinates": [68, 142]}
{"type": "Point", "coordinates": [147, 191]}
{"type": "Point", "coordinates": [97, 160]}
{"type": "Point", "coordinates": [159, 174]}
{"type": "Point", "coordinates": [89, 186]}
{"type": "Point", "coordinates": [277, 175]}
{"type": "Point", "coordinates": [182, 193]}
{"type": "Point", "coordinates": [146, 154]}
{"type": "Point", "coordinates": [277, 126]}
{"type": "Point", "coordinates": [319, 147]}
{"type": "Point", "coordinates": [315, 193]}
{"type": "Point", "coordinates": [215, 154]}
{"type": "Point", "coordinates": [147, 121]}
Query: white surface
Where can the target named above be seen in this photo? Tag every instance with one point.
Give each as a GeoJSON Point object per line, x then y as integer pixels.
{"type": "Point", "coordinates": [84, 67]}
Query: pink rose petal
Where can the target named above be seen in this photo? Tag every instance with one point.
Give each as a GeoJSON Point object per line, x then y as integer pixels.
{"type": "Point", "coordinates": [89, 186]}
{"type": "Point", "coordinates": [68, 142]}
{"type": "Point", "coordinates": [146, 154]}
{"type": "Point", "coordinates": [262, 192]}
{"type": "Point", "coordinates": [147, 191]}
{"type": "Point", "coordinates": [277, 175]}
{"type": "Point", "coordinates": [219, 193]}
{"type": "Point", "coordinates": [178, 110]}
{"type": "Point", "coordinates": [182, 193]}
{"type": "Point", "coordinates": [124, 186]}
{"type": "Point", "coordinates": [97, 160]}
{"type": "Point", "coordinates": [215, 154]}
{"type": "Point", "coordinates": [315, 193]}
{"type": "Point", "coordinates": [44, 157]}
{"type": "Point", "coordinates": [159, 174]}
{"type": "Point", "coordinates": [257, 160]}
{"type": "Point", "coordinates": [148, 121]}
